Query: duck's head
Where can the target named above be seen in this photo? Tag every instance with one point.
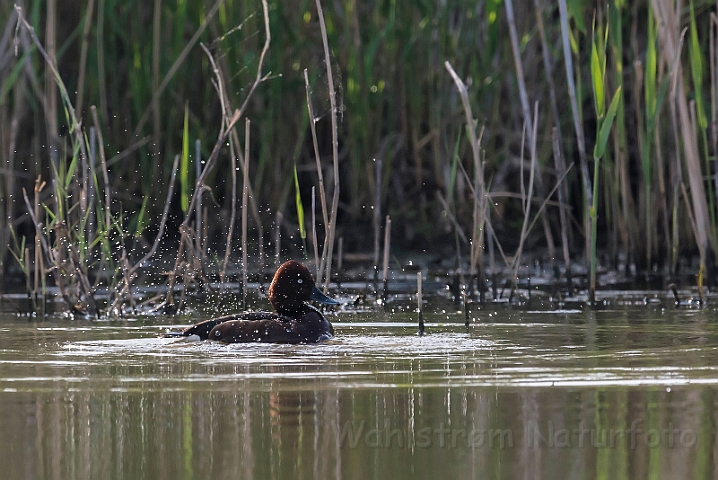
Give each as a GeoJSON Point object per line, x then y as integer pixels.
{"type": "Point", "coordinates": [292, 286]}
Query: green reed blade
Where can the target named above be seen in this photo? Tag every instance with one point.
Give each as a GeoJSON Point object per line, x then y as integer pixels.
{"type": "Point", "coordinates": [300, 207]}
{"type": "Point", "coordinates": [184, 163]}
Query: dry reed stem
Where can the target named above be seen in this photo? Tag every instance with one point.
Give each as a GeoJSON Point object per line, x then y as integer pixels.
{"type": "Point", "coordinates": [419, 301]}
{"type": "Point", "coordinates": [376, 216]}
{"type": "Point", "coordinates": [548, 67]}
{"type": "Point", "coordinates": [228, 123]}
{"type": "Point", "coordinates": [163, 221]}
{"type": "Point", "coordinates": [577, 126]}
{"type": "Point", "coordinates": [480, 211]}
{"type": "Point", "coordinates": [87, 23]}
{"type": "Point", "coordinates": [329, 241]}
{"type": "Point", "coordinates": [201, 240]}
{"type": "Point", "coordinates": [315, 244]}
{"type": "Point", "coordinates": [385, 268]}
{"type": "Point", "coordinates": [39, 258]}
{"type": "Point", "coordinates": [105, 173]}
{"type": "Point", "coordinates": [526, 109]}
{"type": "Point", "coordinates": [315, 142]}
{"type": "Point", "coordinates": [232, 209]}
{"type": "Point", "coordinates": [53, 139]}
{"type": "Point", "coordinates": [527, 201]}
{"type": "Point", "coordinates": [52, 65]}
{"type": "Point", "coordinates": [563, 217]}
{"type": "Point", "coordinates": [226, 130]}
{"type": "Point", "coordinates": [245, 191]}
{"type": "Point", "coordinates": [671, 42]}
{"type": "Point", "coordinates": [155, 101]}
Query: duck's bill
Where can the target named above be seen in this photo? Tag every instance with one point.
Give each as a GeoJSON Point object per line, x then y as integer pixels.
{"type": "Point", "coordinates": [318, 296]}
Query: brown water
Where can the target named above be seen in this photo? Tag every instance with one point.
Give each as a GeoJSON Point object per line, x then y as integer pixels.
{"type": "Point", "coordinates": [625, 392]}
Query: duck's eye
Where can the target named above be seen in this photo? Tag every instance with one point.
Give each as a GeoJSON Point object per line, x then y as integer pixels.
{"type": "Point", "coordinates": [299, 280]}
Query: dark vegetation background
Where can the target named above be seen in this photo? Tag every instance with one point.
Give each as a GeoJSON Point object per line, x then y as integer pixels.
{"type": "Point", "coordinates": [398, 103]}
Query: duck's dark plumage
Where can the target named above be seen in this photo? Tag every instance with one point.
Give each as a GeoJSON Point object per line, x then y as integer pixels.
{"type": "Point", "coordinates": [295, 320]}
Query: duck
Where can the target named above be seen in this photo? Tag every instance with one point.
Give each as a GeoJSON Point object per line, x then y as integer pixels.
{"type": "Point", "coordinates": [293, 319]}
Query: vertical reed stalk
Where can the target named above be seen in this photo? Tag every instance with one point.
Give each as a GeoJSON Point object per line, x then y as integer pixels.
{"type": "Point", "coordinates": [163, 220]}
{"type": "Point", "coordinates": [39, 258]}
{"type": "Point", "coordinates": [30, 289]}
{"type": "Point", "coordinates": [86, 24]}
{"type": "Point", "coordinates": [329, 251]}
{"type": "Point", "coordinates": [340, 261]}
{"type": "Point", "coordinates": [315, 245]}
{"type": "Point", "coordinates": [577, 121]}
{"type": "Point", "coordinates": [419, 300]}
{"type": "Point", "coordinates": [562, 196]}
{"type": "Point", "coordinates": [526, 201]}
{"type": "Point", "coordinates": [103, 162]}
{"type": "Point", "coordinates": [198, 208]}
{"type": "Point", "coordinates": [233, 212]}
{"type": "Point", "coordinates": [671, 40]}
{"type": "Point", "coordinates": [480, 203]}
{"type": "Point", "coordinates": [376, 217]}
{"type": "Point", "coordinates": [385, 269]}
{"type": "Point", "coordinates": [90, 177]}
{"type": "Point", "coordinates": [526, 109]}
{"type": "Point", "coordinates": [51, 82]}
{"type": "Point", "coordinates": [245, 216]}
{"type": "Point", "coordinates": [278, 238]}
{"type": "Point", "coordinates": [320, 173]}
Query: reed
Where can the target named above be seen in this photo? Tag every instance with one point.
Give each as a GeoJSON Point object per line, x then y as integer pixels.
{"type": "Point", "coordinates": [605, 118]}
{"type": "Point", "coordinates": [245, 214]}
{"type": "Point", "coordinates": [385, 263]}
{"type": "Point", "coordinates": [479, 199]}
{"type": "Point", "coordinates": [329, 242]}
{"type": "Point", "coordinates": [420, 303]}
{"type": "Point", "coordinates": [393, 101]}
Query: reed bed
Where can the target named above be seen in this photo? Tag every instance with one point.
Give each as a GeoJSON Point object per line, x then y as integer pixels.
{"type": "Point", "coordinates": [361, 110]}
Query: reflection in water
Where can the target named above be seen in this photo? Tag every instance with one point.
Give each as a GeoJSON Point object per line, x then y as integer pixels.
{"type": "Point", "coordinates": [386, 433]}
{"type": "Point", "coordinates": [528, 396]}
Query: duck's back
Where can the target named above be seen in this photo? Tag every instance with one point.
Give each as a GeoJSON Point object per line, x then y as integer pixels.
{"type": "Point", "coordinates": [307, 326]}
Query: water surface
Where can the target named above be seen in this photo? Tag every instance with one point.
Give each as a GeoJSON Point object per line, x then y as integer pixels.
{"type": "Point", "coordinates": [621, 392]}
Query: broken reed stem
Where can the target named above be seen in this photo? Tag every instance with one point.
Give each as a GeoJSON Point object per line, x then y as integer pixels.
{"type": "Point", "coordinates": [480, 204]}
{"type": "Point", "coordinates": [385, 269]}
{"type": "Point", "coordinates": [329, 241]}
{"type": "Point", "coordinates": [39, 258]}
{"type": "Point", "coordinates": [245, 192]}
{"type": "Point", "coordinates": [420, 303]}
